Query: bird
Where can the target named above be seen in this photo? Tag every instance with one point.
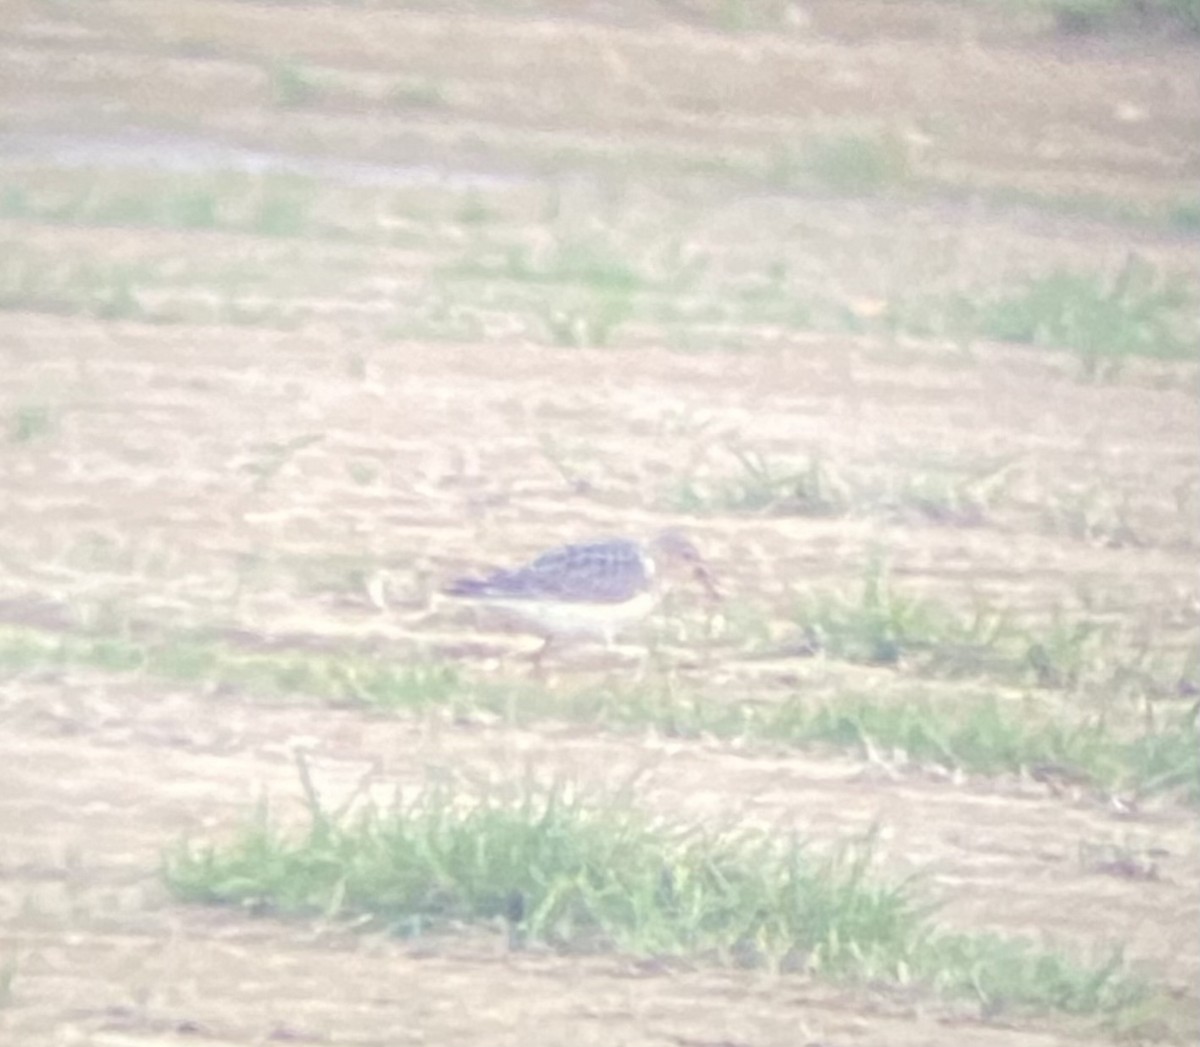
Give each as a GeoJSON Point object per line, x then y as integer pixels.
{"type": "Point", "coordinates": [587, 590]}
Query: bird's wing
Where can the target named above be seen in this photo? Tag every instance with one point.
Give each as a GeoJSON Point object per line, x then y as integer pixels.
{"type": "Point", "coordinates": [597, 572]}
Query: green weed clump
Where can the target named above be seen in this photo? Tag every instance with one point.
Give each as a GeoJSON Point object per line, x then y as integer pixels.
{"type": "Point", "coordinates": [978, 733]}
{"type": "Point", "coordinates": [335, 678]}
{"type": "Point", "coordinates": [761, 484]}
{"type": "Point", "coordinates": [544, 865]}
{"type": "Point", "coordinates": [29, 422]}
{"type": "Point", "coordinates": [883, 626]}
{"type": "Point", "coordinates": [1142, 312]}
{"type": "Point", "coordinates": [294, 85]}
{"type": "Point", "coordinates": [858, 164]}
{"type": "Point", "coordinates": [1096, 16]}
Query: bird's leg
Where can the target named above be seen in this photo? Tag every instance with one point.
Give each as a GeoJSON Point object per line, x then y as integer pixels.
{"type": "Point", "coordinates": [643, 666]}
{"type": "Point", "coordinates": [652, 661]}
{"type": "Point", "coordinates": [539, 655]}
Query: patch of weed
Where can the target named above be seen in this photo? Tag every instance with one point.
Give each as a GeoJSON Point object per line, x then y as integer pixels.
{"type": "Point", "coordinates": [473, 210]}
{"type": "Point", "coordinates": [417, 94]}
{"type": "Point", "coordinates": [1123, 860]}
{"type": "Point", "coordinates": [15, 202]}
{"type": "Point", "coordinates": [978, 734]}
{"type": "Point", "coordinates": [1141, 312]}
{"type": "Point", "coordinates": [761, 484]}
{"type": "Point", "coordinates": [1018, 974]}
{"type": "Point", "coordinates": [743, 15]}
{"type": "Point", "coordinates": [30, 422]}
{"type": "Point", "coordinates": [579, 876]}
{"type": "Point", "coordinates": [589, 260]}
{"type": "Point", "coordinates": [8, 976]}
{"type": "Point", "coordinates": [1167, 759]}
{"type": "Point", "coordinates": [853, 163]}
{"type": "Point", "coordinates": [812, 486]}
{"type": "Point", "coordinates": [1061, 650]}
{"type": "Point", "coordinates": [270, 458]}
{"type": "Point", "coordinates": [1184, 215]}
{"type": "Point", "coordinates": [102, 289]}
{"type": "Point", "coordinates": [283, 212]}
{"type": "Point", "coordinates": [194, 659]}
{"type": "Point", "coordinates": [1096, 514]}
{"type": "Point", "coordinates": [972, 733]}
{"type": "Point", "coordinates": [1096, 16]}
{"type": "Point", "coordinates": [881, 626]}
{"type": "Point", "coordinates": [590, 321]}
{"type": "Point", "coordinates": [588, 875]}
{"type": "Point", "coordinates": [294, 85]}
{"type": "Point", "coordinates": [270, 205]}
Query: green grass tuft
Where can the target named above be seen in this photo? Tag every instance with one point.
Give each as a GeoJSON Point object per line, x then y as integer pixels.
{"type": "Point", "coordinates": [584, 876]}
{"type": "Point", "coordinates": [878, 624]}
{"type": "Point", "coordinates": [590, 321]}
{"type": "Point", "coordinates": [972, 732]}
{"type": "Point", "coordinates": [760, 484]}
{"type": "Point", "coordinates": [1184, 215]}
{"type": "Point", "coordinates": [579, 876]}
{"type": "Point", "coordinates": [1141, 312]}
{"type": "Point", "coordinates": [194, 659]}
{"type": "Point", "coordinates": [976, 733]}
{"type": "Point", "coordinates": [106, 290]}
{"type": "Point", "coordinates": [1096, 16]}
{"type": "Point", "coordinates": [571, 259]}
{"type": "Point", "coordinates": [882, 626]}
{"type": "Point", "coordinates": [857, 164]}
{"type": "Point", "coordinates": [294, 85]}
{"type": "Point", "coordinates": [30, 422]}
{"type": "Point", "coordinates": [8, 976]}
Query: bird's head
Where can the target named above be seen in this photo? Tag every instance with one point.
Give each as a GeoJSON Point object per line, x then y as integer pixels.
{"type": "Point", "coordinates": [673, 549]}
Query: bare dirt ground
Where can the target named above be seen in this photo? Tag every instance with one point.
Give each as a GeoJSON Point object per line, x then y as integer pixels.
{"type": "Point", "coordinates": [270, 480]}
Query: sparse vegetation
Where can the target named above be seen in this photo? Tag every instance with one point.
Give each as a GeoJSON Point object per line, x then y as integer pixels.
{"type": "Point", "coordinates": [417, 93]}
{"type": "Point", "coordinates": [294, 85]}
{"type": "Point", "coordinates": [108, 291]}
{"type": "Point", "coordinates": [1096, 16]}
{"type": "Point", "coordinates": [847, 163]}
{"type": "Point", "coordinates": [759, 483]}
{"type": "Point", "coordinates": [8, 976]}
{"type": "Point", "coordinates": [1120, 859]}
{"type": "Point", "coordinates": [1142, 312]}
{"type": "Point", "coordinates": [193, 659]}
{"type": "Point", "coordinates": [1065, 16]}
{"type": "Point", "coordinates": [879, 625]}
{"type": "Point", "coordinates": [587, 260]}
{"type": "Point", "coordinates": [265, 205]}
{"type": "Point", "coordinates": [1184, 215]}
{"type": "Point", "coordinates": [567, 289]}
{"type": "Point", "coordinates": [977, 734]}
{"type": "Point", "coordinates": [553, 867]}
{"type": "Point", "coordinates": [587, 322]}
{"type": "Point", "coordinates": [30, 422]}
{"type": "Point", "coordinates": [295, 317]}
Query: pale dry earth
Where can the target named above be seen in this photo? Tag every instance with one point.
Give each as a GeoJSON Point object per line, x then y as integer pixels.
{"type": "Point", "coordinates": [146, 474]}
{"type": "Point", "coordinates": [307, 484]}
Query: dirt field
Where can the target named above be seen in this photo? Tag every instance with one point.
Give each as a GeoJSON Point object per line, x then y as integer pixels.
{"type": "Point", "coordinates": [308, 308]}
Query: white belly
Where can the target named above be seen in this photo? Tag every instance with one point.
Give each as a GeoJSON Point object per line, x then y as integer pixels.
{"type": "Point", "coordinates": [598, 621]}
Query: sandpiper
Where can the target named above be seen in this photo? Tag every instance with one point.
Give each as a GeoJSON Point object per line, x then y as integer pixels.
{"type": "Point", "coordinates": [591, 590]}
